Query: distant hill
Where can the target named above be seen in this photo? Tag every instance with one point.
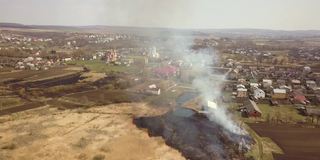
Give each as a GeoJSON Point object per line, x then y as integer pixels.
{"type": "Point", "coordinates": [264, 32]}
{"type": "Point", "coordinates": [13, 25]}
{"type": "Point", "coordinates": [170, 31]}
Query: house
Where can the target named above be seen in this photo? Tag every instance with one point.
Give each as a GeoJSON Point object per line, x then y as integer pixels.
{"type": "Point", "coordinates": [111, 56]}
{"type": "Point", "coordinates": [67, 59]}
{"type": "Point", "coordinates": [295, 84]}
{"type": "Point", "coordinates": [166, 71]}
{"type": "Point", "coordinates": [279, 93]}
{"type": "Point", "coordinates": [258, 93]}
{"type": "Point", "coordinates": [251, 109]}
{"type": "Point", "coordinates": [287, 88]}
{"type": "Point", "coordinates": [242, 81]}
{"type": "Point", "coordinates": [254, 85]}
{"type": "Point", "coordinates": [242, 92]}
{"type": "Point", "coordinates": [241, 86]}
{"type": "Point", "coordinates": [281, 82]}
{"type": "Point", "coordinates": [311, 84]}
{"type": "Point", "coordinates": [298, 97]}
{"type": "Point", "coordinates": [266, 83]}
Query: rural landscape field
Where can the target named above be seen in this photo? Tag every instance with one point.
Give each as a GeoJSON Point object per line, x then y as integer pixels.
{"type": "Point", "coordinates": [159, 80]}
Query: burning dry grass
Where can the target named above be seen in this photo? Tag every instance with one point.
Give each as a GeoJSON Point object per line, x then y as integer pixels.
{"type": "Point", "coordinates": [195, 136]}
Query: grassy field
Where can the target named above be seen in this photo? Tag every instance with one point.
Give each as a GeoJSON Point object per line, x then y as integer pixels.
{"type": "Point", "coordinates": [102, 67]}
{"type": "Point", "coordinates": [286, 113]}
{"type": "Point", "coordinates": [265, 146]}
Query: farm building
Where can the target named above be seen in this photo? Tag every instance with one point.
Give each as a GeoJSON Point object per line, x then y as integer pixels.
{"type": "Point", "coordinates": [251, 109]}
{"type": "Point", "coordinates": [279, 93]}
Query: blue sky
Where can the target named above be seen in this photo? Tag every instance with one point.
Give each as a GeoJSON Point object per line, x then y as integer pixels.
{"type": "Point", "coordinates": [267, 14]}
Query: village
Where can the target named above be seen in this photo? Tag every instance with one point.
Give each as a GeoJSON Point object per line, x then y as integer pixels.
{"type": "Point", "coordinates": [77, 70]}
{"type": "Point", "coordinates": [247, 77]}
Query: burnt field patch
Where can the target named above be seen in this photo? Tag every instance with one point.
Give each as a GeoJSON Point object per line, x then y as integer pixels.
{"type": "Point", "coordinates": [26, 106]}
{"type": "Point", "coordinates": [297, 142]}
{"type": "Point", "coordinates": [195, 136]}
{"type": "Point", "coordinates": [31, 75]}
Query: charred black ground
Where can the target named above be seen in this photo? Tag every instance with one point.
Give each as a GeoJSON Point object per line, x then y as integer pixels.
{"type": "Point", "coordinates": [194, 135]}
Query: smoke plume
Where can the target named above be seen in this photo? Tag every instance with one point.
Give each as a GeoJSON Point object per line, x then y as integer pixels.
{"type": "Point", "coordinates": [209, 85]}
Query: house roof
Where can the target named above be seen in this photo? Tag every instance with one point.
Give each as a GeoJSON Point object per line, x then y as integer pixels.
{"type": "Point", "coordinates": [242, 90]}
{"type": "Point", "coordinates": [252, 106]}
{"type": "Point", "coordinates": [277, 90]}
{"type": "Point", "coordinates": [295, 81]}
{"type": "Point", "coordinates": [167, 70]}
{"type": "Point", "coordinates": [241, 86]}
{"type": "Point", "coordinates": [298, 96]}
{"type": "Point", "coordinates": [310, 82]}
{"type": "Point", "coordinates": [254, 84]}
{"type": "Point", "coordinates": [267, 81]}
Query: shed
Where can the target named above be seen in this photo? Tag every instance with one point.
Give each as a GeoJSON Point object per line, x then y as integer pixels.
{"type": "Point", "coordinates": [252, 109]}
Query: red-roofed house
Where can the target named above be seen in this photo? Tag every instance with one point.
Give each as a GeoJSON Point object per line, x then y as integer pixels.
{"type": "Point", "coordinates": [298, 97]}
{"type": "Point", "coordinates": [166, 71]}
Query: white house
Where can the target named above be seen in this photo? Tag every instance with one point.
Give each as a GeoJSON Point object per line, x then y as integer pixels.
{"type": "Point", "coordinates": [241, 86]}
{"type": "Point", "coordinates": [266, 83]}
{"type": "Point", "coordinates": [311, 84]}
{"type": "Point", "coordinates": [254, 85]}
{"type": "Point", "coordinates": [258, 93]}
{"type": "Point", "coordinates": [67, 59]}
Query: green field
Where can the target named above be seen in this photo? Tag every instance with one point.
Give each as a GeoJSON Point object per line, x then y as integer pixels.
{"type": "Point", "coordinates": [286, 113]}
{"type": "Point", "coordinates": [102, 67]}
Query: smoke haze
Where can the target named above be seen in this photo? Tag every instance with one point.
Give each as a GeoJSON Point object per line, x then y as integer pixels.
{"type": "Point", "coordinates": [266, 14]}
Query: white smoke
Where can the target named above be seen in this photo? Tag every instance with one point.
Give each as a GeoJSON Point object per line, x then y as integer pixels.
{"type": "Point", "coordinates": [209, 86]}
{"type": "Point", "coordinates": [206, 82]}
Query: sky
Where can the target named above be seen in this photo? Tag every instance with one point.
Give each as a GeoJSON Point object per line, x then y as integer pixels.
{"type": "Point", "coordinates": [261, 14]}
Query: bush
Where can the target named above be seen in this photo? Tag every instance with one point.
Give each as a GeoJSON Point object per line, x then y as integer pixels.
{"type": "Point", "coordinates": [9, 146]}
{"type": "Point", "coordinates": [99, 157]}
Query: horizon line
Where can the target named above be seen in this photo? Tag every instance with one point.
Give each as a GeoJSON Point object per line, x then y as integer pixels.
{"type": "Point", "coordinates": [158, 27]}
